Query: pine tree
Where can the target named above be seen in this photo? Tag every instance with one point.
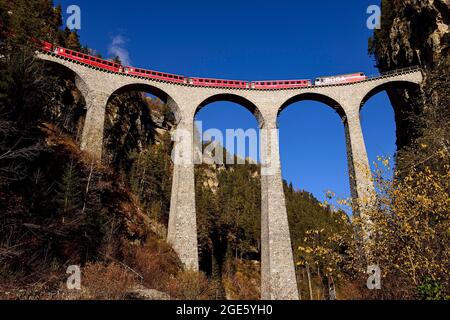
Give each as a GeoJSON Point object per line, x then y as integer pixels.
{"type": "Point", "coordinates": [72, 40]}
{"type": "Point", "coordinates": [68, 195]}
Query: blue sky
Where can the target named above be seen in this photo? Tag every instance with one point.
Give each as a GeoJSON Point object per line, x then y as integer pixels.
{"type": "Point", "coordinates": [256, 40]}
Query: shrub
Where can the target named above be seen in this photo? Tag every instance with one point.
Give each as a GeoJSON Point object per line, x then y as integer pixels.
{"type": "Point", "coordinates": [191, 285]}
{"type": "Point", "coordinates": [106, 281]}
{"type": "Point", "coordinates": [241, 280]}
{"type": "Point", "coordinates": [156, 262]}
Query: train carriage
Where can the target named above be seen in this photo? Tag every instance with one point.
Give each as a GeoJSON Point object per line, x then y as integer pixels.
{"type": "Point", "coordinates": [88, 59]}
{"type": "Point", "coordinates": [209, 82]}
{"type": "Point", "coordinates": [155, 75]}
{"type": "Point", "coordinates": [281, 84]}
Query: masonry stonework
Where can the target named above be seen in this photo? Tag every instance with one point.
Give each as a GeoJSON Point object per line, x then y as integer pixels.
{"type": "Point", "coordinates": [277, 263]}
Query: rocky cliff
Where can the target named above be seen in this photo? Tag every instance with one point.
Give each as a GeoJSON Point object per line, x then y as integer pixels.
{"type": "Point", "coordinates": [415, 32]}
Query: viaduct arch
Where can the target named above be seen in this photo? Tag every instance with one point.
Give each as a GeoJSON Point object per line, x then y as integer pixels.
{"type": "Point", "coordinates": [278, 279]}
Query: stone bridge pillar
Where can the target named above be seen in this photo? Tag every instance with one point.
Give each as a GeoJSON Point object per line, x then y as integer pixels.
{"type": "Point", "coordinates": [278, 279]}
{"type": "Point", "coordinates": [92, 137]}
{"type": "Point", "coordinates": [182, 230]}
{"type": "Point", "coordinates": [361, 181]}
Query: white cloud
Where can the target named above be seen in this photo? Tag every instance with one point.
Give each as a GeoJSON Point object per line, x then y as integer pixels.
{"type": "Point", "coordinates": [117, 48]}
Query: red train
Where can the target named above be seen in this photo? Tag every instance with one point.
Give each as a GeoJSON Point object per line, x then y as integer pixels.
{"type": "Point", "coordinates": [205, 82]}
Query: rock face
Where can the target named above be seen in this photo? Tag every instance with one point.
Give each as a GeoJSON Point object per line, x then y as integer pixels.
{"type": "Point", "coordinates": [142, 293]}
{"type": "Point", "coordinates": [415, 32]}
{"type": "Point", "coordinates": [133, 122]}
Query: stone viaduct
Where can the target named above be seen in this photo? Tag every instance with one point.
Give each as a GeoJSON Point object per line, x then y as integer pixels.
{"type": "Point", "coordinates": [278, 280]}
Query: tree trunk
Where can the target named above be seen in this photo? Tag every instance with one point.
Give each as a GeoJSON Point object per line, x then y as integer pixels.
{"type": "Point", "coordinates": [308, 272]}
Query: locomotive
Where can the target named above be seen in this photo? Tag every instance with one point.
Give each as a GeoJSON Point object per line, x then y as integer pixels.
{"type": "Point", "coordinates": [345, 78]}
{"type": "Point", "coordinates": [103, 64]}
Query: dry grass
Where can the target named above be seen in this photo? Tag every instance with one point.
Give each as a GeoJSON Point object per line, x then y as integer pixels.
{"type": "Point", "coordinates": [106, 282]}
{"type": "Point", "coordinates": [156, 262]}
{"type": "Point", "coordinates": [191, 285]}
{"type": "Point", "coordinates": [241, 280]}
